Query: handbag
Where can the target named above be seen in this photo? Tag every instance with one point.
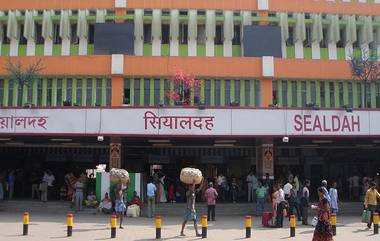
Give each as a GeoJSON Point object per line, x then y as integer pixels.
{"type": "Point", "coordinates": [366, 216]}
{"type": "Point", "coordinates": [314, 222]}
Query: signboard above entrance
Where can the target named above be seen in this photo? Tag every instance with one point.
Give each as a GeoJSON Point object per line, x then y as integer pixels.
{"type": "Point", "coordinates": [189, 122]}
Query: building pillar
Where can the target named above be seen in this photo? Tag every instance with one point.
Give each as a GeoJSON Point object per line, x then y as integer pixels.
{"type": "Point", "coordinates": [115, 153]}
{"type": "Point", "coordinates": [117, 71]}
{"type": "Point", "coordinates": [265, 158]}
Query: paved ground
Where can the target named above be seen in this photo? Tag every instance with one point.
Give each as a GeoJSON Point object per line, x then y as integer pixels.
{"type": "Point", "coordinates": [96, 227]}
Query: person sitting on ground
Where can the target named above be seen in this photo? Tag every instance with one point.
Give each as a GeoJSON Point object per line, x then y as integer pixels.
{"type": "Point", "coordinates": [136, 200]}
{"type": "Point", "coordinates": [91, 200]}
{"type": "Point", "coordinates": [105, 205]}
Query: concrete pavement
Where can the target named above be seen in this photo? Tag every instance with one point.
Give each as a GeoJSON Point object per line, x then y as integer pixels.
{"type": "Point", "coordinates": [47, 226]}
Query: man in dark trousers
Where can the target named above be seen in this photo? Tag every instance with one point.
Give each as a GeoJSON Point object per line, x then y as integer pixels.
{"type": "Point", "coordinates": [211, 195]}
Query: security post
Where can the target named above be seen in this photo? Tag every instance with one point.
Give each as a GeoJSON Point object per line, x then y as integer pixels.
{"type": "Point", "coordinates": [248, 226]}
{"type": "Point", "coordinates": [333, 223]}
{"type": "Point", "coordinates": [158, 227]}
{"type": "Point", "coordinates": [292, 226]}
{"type": "Point", "coordinates": [25, 222]}
{"type": "Point", "coordinates": [204, 226]}
{"type": "Point", "coordinates": [113, 225]}
{"type": "Point", "coordinates": [375, 223]}
{"type": "Point", "coordinates": [70, 222]}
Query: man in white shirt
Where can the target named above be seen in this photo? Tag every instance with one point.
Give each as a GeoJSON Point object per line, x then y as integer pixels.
{"type": "Point", "coordinates": [287, 189]}
{"type": "Point", "coordinates": [280, 201]}
{"type": "Point", "coordinates": [252, 186]}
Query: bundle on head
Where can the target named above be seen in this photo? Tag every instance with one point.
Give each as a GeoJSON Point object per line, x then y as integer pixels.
{"type": "Point", "coordinates": [119, 175]}
{"type": "Point", "coordinates": [189, 174]}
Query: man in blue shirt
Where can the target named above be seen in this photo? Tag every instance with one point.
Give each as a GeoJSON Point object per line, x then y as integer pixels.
{"type": "Point", "coordinates": [151, 196]}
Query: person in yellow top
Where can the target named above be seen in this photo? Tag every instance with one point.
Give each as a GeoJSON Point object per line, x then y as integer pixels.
{"type": "Point", "coordinates": [370, 201]}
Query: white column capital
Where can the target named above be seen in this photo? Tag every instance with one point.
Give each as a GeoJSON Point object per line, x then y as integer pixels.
{"type": "Point", "coordinates": [117, 65]}
{"type": "Point", "coordinates": [268, 66]}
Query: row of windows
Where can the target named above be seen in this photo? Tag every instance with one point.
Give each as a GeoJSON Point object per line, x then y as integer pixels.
{"type": "Point", "coordinates": [57, 92]}
{"type": "Point", "coordinates": [294, 93]}
{"type": "Point", "coordinates": [213, 92]}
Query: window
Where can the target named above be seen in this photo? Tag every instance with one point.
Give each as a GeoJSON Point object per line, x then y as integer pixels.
{"type": "Point", "coordinates": [284, 93]}
{"type": "Point", "coordinates": [127, 92]}
{"type": "Point", "coordinates": [237, 91]}
{"type": "Point", "coordinates": [39, 92]}
{"type": "Point", "coordinates": [308, 40]}
{"type": "Point", "coordinates": [356, 44]}
{"type": "Point", "coordinates": [303, 93]}
{"type": "Point", "coordinates": [313, 90]}
{"type": "Point", "coordinates": [4, 37]}
{"type": "Point", "coordinates": [247, 90]}
{"type": "Point", "coordinates": [147, 33]}
{"type": "Point", "coordinates": [350, 94]}
{"type": "Point", "coordinates": [108, 92]}
{"type": "Point", "coordinates": [89, 92]}
{"type": "Point", "coordinates": [294, 93]}
{"type": "Point", "coordinates": [341, 94]}
{"type": "Point", "coordinates": [183, 34]}
{"type": "Point", "coordinates": [74, 36]}
{"type": "Point", "coordinates": [219, 35]}
{"type": "Point", "coordinates": [183, 13]}
{"type": "Point", "coordinates": [165, 29]}
{"type": "Point", "coordinates": [157, 92]}
{"type": "Point", "coordinates": [237, 34]}
{"type": "Point", "coordinates": [56, 38]}
{"type": "Point", "coordinates": [325, 42]}
{"type": "Point", "coordinates": [98, 97]}
{"type": "Point", "coordinates": [69, 89]}
{"type": "Point", "coordinates": [368, 94]}
{"type": "Point", "coordinates": [91, 33]}
{"type": "Point", "coordinates": [332, 94]}
{"type": "Point", "coordinates": [207, 92]}
{"type": "Point", "coordinates": [257, 93]}
{"type": "Point", "coordinates": [19, 95]}
{"type": "Point", "coordinates": [290, 40]}
{"type": "Point", "coordinates": [360, 94]}
{"type": "Point", "coordinates": [342, 41]}
{"type": "Point", "coordinates": [79, 92]}
{"type": "Point", "coordinates": [10, 91]}
{"type": "Point", "coordinates": [201, 37]}
{"type": "Point", "coordinates": [148, 12]}
{"type": "Point", "coordinates": [201, 12]}
{"type": "Point", "coordinates": [323, 93]}
{"type": "Point", "coordinates": [49, 94]}
{"type": "Point", "coordinates": [166, 89]}
{"type": "Point", "coordinates": [227, 92]}
{"type": "Point", "coordinates": [38, 29]}
{"type": "Point", "coordinates": [217, 92]}
{"type": "Point", "coordinates": [59, 92]}
{"type": "Point", "coordinates": [275, 92]}
{"type": "Point", "coordinates": [137, 92]}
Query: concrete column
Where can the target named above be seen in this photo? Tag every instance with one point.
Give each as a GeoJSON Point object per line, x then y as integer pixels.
{"type": "Point", "coordinates": [192, 33]}
{"type": "Point", "coordinates": [174, 32]}
{"type": "Point", "coordinates": [265, 159]}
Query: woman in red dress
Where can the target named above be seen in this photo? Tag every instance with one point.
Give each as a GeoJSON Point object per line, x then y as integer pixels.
{"type": "Point", "coordinates": [323, 231]}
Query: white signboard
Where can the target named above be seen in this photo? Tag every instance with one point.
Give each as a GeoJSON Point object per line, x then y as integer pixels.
{"type": "Point", "coordinates": [134, 121]}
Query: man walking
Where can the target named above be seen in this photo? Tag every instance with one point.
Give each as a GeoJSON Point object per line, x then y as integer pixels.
{"type": "Point", "coordinates": [79, 186]}
{"type": "Point", "coordinates": [151, 196]}
{"type": "Point", "coordinates": [252, 186]}
{"type": "Point", "coordinates": [210, 196]}
{"type": "Point", "coordinates": [334, 198]}
{"type": "Point", "coordinates": [370, 201]}
{"type": "Point", "coordinates": [261, 193]}
{"type": "Point", "coordinates": [191, 214]}
{"type": "Point", "coordinates": [305, 202]}
{"type": "Point", "coordinates": [281, 205]}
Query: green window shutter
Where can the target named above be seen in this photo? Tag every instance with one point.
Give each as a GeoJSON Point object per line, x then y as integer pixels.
{"type": "Point", "coordinates": [308, 91]}
{"type": "Point", "coordinates": [35, 92]}
{"type": "Point", "coordinates": [299, 94]}
{"type": "Point", "coordinates": [25, 94]}
{"type": "Point", "coordinates": [203, 91]}
{"type": "Point", "coordinates": [171, 89]}
{"type": "Point", "coordinates": [162, 91]}
{"type": "Point", "coordinates": [54, 92]}
{"type": "Point", "coordinates": [15, 93]}
{"type": "Point", "coordinates": [142, 92]}
{"type": "Point", "coordinates": [44, 92]}
{"type": "Point", "coordinates": [345, 93]}
{"type": "Point", "coordinates": [373, 94]}
{"type": "Point", "coordinates": [84, 91]}
{"type": "Point", "coordinates": [336, 94]}
{"type": "Point", "coordinates": [93, 92]}
{"type": "Point", "coordinates": [242, 92]}
{"type": "Point", "coordinates": [222, 92]}
{"type": "Point", "coordinates": [327, 94]}
{"type": "Point", "coordinates": [232, 91]}
{"type": "Point", "coordinates": [151, 92]}
{"type": "Point", "coordinates": [355, 94]}
{"type": "Point", "coordinates": [252, 101]}
{"type": "Point", "coordinates": [64, 90]}
{"type": "Point", "coordinates": [6, 92]}
{"type": "Point", "coordinates": [318, 92]}
{"type": "Point", "coordinates": [289, 93]}
{"type": "Point", "coordinates": [132, 90]}
{"type": "Point", "coordinates": [279, 92]}
{"type": "Point", "coordinates": [212, 93]}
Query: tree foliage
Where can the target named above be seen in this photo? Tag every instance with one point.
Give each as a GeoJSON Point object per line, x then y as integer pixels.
{"type": "Point", "coordinates": [184, 85]}
{"type": "Point", "coordinates": [23, 76]}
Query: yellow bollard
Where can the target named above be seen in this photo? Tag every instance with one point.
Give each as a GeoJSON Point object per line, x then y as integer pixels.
{"type": "Point", "coordinates": [204, 226]}
{"type": "Point", "coordinates": [292, 226]}
{"type": "Point", "coordinates": [158, 227]}
{"type": "Point", "coordinates": [375, 223]}
{"type": "Point", "coordinates": [113, 225]}
{"type": "Point", "coordinates": [333, 223]}
{"type": "Point", "coordinates": [70, 222]}
{"type": "Point", "coordinates": [248, 226]}
{"type": "Point", "coordinates": [25, 222]}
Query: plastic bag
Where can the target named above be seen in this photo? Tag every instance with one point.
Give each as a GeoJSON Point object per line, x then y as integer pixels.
{"type": "Point", "coordinates": [366, 216]}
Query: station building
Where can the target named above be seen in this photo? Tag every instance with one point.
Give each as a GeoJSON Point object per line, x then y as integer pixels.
{"type": "Point", "coordinates": [277, 91]}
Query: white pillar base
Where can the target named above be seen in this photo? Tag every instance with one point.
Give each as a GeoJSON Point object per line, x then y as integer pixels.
{"type": "Point", "coordinates": [283, 49]}
{"type": "Point", "coordinates": [349, 51]}
{"type": "Point", "coordinates": [210, 48]}
{"type": "Point", "coordinates": [192, 47]}
{"type": "Point", "coordinates": [333, 53]}
{"type": "Point", "coordinates": [227, 48]}
{"type": "Point", "coordinates": [298, 45]}
{"type": "Point", "coordinates": [156, 47]}
{"type": "Point", "coordinates": [65, 50]}
{"type": "Point", "coordinates": [315, 51]}
{"type": "Point", "coordinates": [48, 47]}
{"type": "Point", "coordinates": [13, 51]}
{"type": "Point", "coordinates": [82, 46]}
{"type": "Point", "coordinates": [30, 47]}
{"type": "Point", "coordinates": [174, 47]}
